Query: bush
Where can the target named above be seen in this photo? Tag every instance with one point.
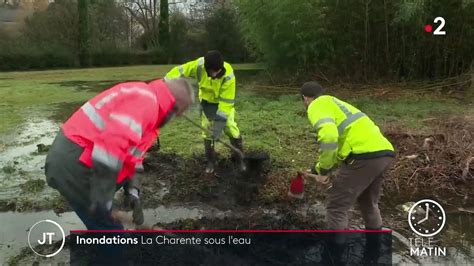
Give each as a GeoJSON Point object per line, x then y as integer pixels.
{"type": "Point", "coordinates": [20, 59]}
{"type": "Point", "coordinates": [24, 56]}
{"type": "Point", "coordinates": [121, 57]}
{"type": "Point", "coordinates": [158, 56]}
{"type": "Point", "coordinates": [31, 60]}
{"type": "Point", "coordinates": [109, 58]}
{"type": "Point", "coordinates": [191, 38]}
{"type": "Point", "coordinates": [360, 39]}
{"type": "Point", "coordinates": [223, 34]}
{"type": "Point", "coordinates": [46, 59]}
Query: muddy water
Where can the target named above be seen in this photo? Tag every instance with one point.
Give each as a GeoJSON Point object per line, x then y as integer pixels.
{"type": "Point", "coordinates": [23, 163]}
{"type": "Point", "coordinates": [19, 158]}
{"type": "Point", "coordinates": [15, 226]}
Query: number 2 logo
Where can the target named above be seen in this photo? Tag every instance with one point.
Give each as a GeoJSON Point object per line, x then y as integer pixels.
{"type": "Point", "coordinates": [439, 30]}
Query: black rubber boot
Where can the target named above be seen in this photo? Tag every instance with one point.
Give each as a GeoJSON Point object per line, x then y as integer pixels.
{"type": "Point", "coordinates": [210, 155]}
{"type": "Point", "coordinates": [333, 249]}
{"type": "Point", "coordinates": [373, 246]}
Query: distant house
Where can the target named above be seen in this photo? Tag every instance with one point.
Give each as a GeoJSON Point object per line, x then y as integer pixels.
{"type": "Point", "coordinates": [11, 15]}
{"type": "Point", "coordinates": [9, 18]}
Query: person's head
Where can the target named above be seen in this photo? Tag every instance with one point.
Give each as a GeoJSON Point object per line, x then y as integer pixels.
{"type": "Point", "coordinates": [310, 91]}
{"type": "Point", "coordinates": [214, 64]}
{"type": "Point", "coordinates": [183, 93]}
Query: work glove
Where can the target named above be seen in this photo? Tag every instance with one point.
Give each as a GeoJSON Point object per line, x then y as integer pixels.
{"type": "Point", "coordinates": [317, 170]}
{"type": "Point", "coordinates": [322, 179]}
{"type": "Point", "coordinates": [217, 129]}
{"type": "Point", "coordinates": [136, 206]}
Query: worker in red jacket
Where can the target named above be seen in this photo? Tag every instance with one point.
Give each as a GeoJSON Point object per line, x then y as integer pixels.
{"type": "Point", "coordinates": [102, 146]}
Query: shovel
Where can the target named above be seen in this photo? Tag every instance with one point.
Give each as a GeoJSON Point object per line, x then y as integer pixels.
{"type": "Point", "coordinates": [297, 183]}
{"type": "Point", "coordinates": [243, 165]}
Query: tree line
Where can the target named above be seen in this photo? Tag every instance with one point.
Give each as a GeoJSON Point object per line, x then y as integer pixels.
{"type": "Point", "coordinates": [356, 39]}
{"type": "Point", "coordinates": [361, 39]}
{"type": "Point", "coordinates": [70, 33]}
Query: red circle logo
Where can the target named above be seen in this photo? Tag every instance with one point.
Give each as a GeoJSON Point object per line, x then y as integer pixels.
{"type": "Point", "coordinates": [428, 28]}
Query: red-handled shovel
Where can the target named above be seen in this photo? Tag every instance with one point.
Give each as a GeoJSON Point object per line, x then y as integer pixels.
{"type": "Point", "coordinates": [297, 186]}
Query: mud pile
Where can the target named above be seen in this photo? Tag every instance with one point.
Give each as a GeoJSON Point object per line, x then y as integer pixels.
{"type": "Point", "coordinates": [284, 218]}
{"type": "Point", "coordinates": [440, 164]}
{"type": "Point", "coordinates": [228, 188]}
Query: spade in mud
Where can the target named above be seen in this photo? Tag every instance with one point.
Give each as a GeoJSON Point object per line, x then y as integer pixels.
{"type": "Point", "coordinates": [254, 162]}
{"type": "Point", "coordinates": [249, 181]}
{"type": "Point", "coordinates": [228, 188]}
{"type": "Point", "coordinates": [234, 187]}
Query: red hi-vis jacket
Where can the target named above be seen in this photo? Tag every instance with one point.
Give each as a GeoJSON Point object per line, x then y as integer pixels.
{"type": "Point", "coordinates": [120, 124]}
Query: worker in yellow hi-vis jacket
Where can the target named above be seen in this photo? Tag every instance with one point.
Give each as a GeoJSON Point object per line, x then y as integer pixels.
{"type": "Point", "coordinates": [216, 83]}
{"type": "Point", "coordinates": [350, 140]}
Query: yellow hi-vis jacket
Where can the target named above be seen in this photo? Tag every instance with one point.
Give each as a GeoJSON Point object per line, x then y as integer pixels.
{"type": "Point", "coordinates": [220, 91]}
{"type": "Point", "coordinates": [343, 131]}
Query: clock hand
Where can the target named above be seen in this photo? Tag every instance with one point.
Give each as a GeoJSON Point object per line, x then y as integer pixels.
{"type": "Point", "coordinates": [422, 220]}
{"type": "Point", "coordinates": [426, 215]}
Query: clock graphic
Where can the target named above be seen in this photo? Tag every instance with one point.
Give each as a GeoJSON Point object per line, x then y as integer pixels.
{"type": "Point", "coordinates": [426, 218]}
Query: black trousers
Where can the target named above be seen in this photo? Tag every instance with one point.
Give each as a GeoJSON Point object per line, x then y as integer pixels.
{"type": "Point", "coordinates": [74, 180]}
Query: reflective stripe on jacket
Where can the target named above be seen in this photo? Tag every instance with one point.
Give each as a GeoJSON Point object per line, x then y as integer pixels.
{"type": "Point", "coordinates": [120, 124]}
{"type": "Point", "coordinates": [220, 90]}
{"type": "Point", "coordinates": [343, 130]}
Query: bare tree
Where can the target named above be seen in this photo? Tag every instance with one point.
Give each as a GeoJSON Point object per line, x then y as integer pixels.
{"type": "Point", "coordinates": [200, 9]}
{"type": "Point", "coordinates": [10, 3]}
{"type": "Point", "coordinates": [146, 13]}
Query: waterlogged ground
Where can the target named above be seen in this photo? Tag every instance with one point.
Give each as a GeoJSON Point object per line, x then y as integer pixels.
{"type": "Point", "coordinates": [176, 194]}
{"type": "Point", "coordinates": [19, 223]}
{"type": "Point", "coordinates": [22, 182]}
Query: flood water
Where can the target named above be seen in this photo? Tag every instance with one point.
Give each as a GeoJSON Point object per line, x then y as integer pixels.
{"type": "Point", "coordinates": [20, 162]}
{"type": "Point", "coordinates": [15, 226]}
{"type": "Point", "coordinates": [19, 159]}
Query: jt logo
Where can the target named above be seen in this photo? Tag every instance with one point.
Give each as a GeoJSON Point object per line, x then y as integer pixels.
{"type": "Point", "coordinates": [45, 229]}
{"type": "Point", "coordinates": [50, 237]}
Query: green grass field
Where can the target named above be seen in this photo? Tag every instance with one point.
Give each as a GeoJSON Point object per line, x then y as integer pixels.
{"type": "Point", "coordinates": [29, 94]}
{"type": "Point", "coordinates": [272, 122]}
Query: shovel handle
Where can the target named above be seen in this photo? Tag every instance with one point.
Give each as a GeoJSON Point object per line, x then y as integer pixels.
{"type": "Point", "coordinates": [230, 146]}
{"type": "Point", "coordinates": [323, 179]}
